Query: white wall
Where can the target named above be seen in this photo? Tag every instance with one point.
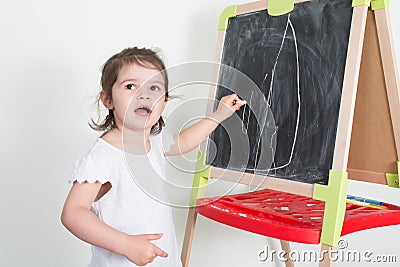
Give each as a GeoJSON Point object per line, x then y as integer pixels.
{"type": "Point", "coordinates": [50, 55]}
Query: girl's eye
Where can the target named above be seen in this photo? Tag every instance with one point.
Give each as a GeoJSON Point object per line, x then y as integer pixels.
{"type": "Point", "coordinates": [130, 86]}
{"type": "Point", "coordinates": [155, 88]}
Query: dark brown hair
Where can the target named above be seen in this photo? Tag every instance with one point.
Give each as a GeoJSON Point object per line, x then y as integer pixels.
{"type": "Point", "coordinates": [109, 74]}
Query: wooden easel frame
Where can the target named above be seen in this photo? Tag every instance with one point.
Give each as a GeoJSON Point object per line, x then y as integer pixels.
{"type": "Point", "coordinates": [334, 194]}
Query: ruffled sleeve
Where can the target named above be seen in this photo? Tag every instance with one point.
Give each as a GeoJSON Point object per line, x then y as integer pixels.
{"type": "Point", "coordinates": [167, 140]}
{"type": "Point", "coordinates": [91, 170]}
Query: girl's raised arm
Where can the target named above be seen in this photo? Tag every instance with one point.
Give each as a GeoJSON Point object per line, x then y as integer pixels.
{"type": "Point", "coordinates": [192, 136]}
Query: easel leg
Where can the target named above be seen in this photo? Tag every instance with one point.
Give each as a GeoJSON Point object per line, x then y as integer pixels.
{"type": "Point", "coordinates": [286, 247]}
{"type": "Point", "coordinates": [326, 261]}
{"type": "Point", "coordinates": [188, 239]}
{"type": "Point", "coordinates": [390, 70]}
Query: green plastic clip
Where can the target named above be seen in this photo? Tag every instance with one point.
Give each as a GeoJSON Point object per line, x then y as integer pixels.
{"type": "Point", "coordinates": [379, 4]}
{"type": "Point", "coordinates": [280, 7]}
{"type": "Point", "coordinates": [200, 179]}
{"type": "Point", "coordinates": [229, 12]}
{"type": "Point", "coordinates": [334, 194]}
{"type": "Point", "coordinates": [361, 3]}
{"type": "Point", "coordinates": [392, 180]}
{"type": "Point", "coordinates": [375, 4]}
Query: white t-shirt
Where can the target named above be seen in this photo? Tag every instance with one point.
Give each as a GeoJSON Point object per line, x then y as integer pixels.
{"type": "Point", "coordinates": [136, 203]}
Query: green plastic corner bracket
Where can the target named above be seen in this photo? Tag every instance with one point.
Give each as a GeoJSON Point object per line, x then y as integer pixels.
{"type": "Point", "coordinates": [334, 194]}
{"type": "Point", "coordinates": [379, 4]}
{"type": "Point", "coordinates": [229, 12]}
{"type": "Point", "coordinates": [375, 4]}
{"type": "Point", "coordinates": [200, 179]}
{"type": "Point", "coordinates": [280, 7]}
{"type": "Point", "coordinates": [361, 3]}
{"type": "Point", "coordinates": [393, 178]}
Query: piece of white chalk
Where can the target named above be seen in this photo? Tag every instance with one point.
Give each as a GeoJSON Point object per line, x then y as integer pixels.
{"type": "Point", "coordinates": [241, 102]}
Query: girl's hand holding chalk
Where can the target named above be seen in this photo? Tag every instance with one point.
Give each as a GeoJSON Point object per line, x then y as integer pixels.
{"type": "Point", "coordinates": [227, 106]}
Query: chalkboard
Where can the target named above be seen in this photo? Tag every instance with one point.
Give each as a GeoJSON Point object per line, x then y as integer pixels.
{"type": "Point", "coordinates": [297, 61]}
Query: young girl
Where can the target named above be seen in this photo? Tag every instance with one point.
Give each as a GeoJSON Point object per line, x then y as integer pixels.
{"type": "Point", "coordinates": [105, 206]}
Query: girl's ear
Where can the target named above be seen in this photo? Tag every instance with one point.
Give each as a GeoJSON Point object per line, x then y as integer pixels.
{"type": "Point", "coordinates": [106, 100]}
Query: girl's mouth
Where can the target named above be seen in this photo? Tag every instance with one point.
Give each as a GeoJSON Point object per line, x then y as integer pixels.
{"type": "Point", "coordinates": [143, 111]}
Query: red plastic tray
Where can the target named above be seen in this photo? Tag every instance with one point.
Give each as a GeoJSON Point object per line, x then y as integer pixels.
{"type": "Point", "coordinates": [289, 217]}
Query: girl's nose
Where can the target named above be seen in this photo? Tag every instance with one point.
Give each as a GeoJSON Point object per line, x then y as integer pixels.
{"type": "Point", "coordinates": [143, 94]}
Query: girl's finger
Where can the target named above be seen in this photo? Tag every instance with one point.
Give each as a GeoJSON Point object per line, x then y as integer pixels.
{"type": "Point", "coordinates": [153, 236]}
{"type": "Point", "coordinates": [230, 98]}
{"type": "Point", "coordinates": [237, 98]}
{"type": "Point", "coordinates": [240, 102]}
{"type": "Point", "coordinates": [160, 252]}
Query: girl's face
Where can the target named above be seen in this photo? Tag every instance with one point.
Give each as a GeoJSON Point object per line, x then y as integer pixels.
{"type": "Point", "coordinates": [138, 97]}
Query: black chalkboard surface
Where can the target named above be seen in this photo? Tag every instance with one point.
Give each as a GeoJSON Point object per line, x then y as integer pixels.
{"type": "Point", "coordinates": [297, 60]}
